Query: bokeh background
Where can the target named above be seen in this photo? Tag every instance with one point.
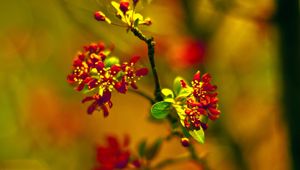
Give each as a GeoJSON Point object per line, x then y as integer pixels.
{"type": "Point", "coordinates": [43, 125]}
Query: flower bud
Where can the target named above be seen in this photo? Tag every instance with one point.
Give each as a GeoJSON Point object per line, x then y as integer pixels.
{"type": "Point", "coordinates": [147, 21]}
{"type": "Point", "coordinates": [124, 6]}
{"type": "Point", "coordinates": [185, 142]}
{"type": "Point", "coordinates": [135, 2]}
{"type": "Point", "coordinates": [99, 16]}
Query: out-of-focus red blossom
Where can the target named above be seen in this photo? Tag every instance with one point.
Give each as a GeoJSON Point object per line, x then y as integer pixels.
{"type": "Point", "coordinates": [203, 102]}
{"type": "Point", "coordinates": [187, 52]}
{"type": "Point", "coordinates": [89, 72]}
{"type": "Point", "coordinates": [115, 155]}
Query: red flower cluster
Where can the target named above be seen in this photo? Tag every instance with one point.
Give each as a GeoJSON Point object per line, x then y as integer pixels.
{"type": "Point", "coordinates": [93, 69]}
{"type": "Point", "coordinates": [202, 104]}
{"type": "Point", "coordinates": [114, 155]}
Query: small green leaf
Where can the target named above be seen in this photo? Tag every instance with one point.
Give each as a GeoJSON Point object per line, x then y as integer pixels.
{"type": "Point", "coordinates": [86, 89]}
{"type": "Point", "coordinates": [185, 92]}
{"type": "Point", "coordinates": [153, 149]}
{"type": "Point", "coordinates": [142, 148]}
{"type": "Point", "coordinates": [185, 132]}
{"type": "Point", "coordinates": [177, 85]}
{"type": "Point", "coordinates": [198, 135]}
{"type": "Point", "coordinates": [136, 22]}
{"type": "Point", "coordinates": [161, 109]}
{"type": "Point", "coordinates": [108, 62]}
{"type": "Point", "coordinates": [167, 93]}
{"type": "Point", "coordinates": [169, 100]}
{"type": "Point", "coordinates": [180, 111]}
{"type": "Point", "coordinates": [106, 52]}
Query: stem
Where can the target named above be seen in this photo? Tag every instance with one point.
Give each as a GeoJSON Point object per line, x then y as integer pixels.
{"type": "Point", "coordinates": [143, 95]}
{"type": "Point", "coordinates": [151, 45]}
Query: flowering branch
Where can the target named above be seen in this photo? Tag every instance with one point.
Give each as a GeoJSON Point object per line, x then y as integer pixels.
{"type": "Point", "coordinates": [150, 44]}
{"type": "Point", "coordinates": [187, 106]}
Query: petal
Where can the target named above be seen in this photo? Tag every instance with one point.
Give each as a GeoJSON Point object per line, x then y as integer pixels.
{"type": "Point", "coordinates": [99, 65]}
{"type": "Point", "coordinates": [121, 86]}
{"type": "Point", "coordinates": [133, 85]}
{"type": "Point", "coordinates": [209, 87]}
{"type": "Point", "coordinates": [142, 72]}
{"type": "Point", "coordinates": [92, 83]}
{"type": "Point", "coordinates": [86, 99]}
{"type": "Point", "coordinates": [206, 77]}
{"type": "Point", "coordinates": [126, 140]}
{"type": "Point", "coordinates": [134, 59]}
{"type": "Point", "coordinates": [123, 160]}
{"type": "Point", "coordinates": [183, 83]}
{"type": "Point", "coordinates": [101, 46]}
{"type": "Point", "coordinates": [92, 108]}
{"type": "Point", "coordinates": [113, 142]}
{"type": "Point", "coordinates": [105, 110]}
{"type": "Point", "coordinates": [213, 117]}
{"type": "Point", "coordinates": [77, 62]}
{"type": "Point", "coordinates": [214, 100]}
{"type": "Point", "coordinates": [105, 98]}
{"type": "Point", "coordinates": [81, 56]}
{"type": "Point", "coordinates": [204, 126]}
{"type": "Point", "coordinates": [115, 69]}
{"type": "Point", "coordinates": [214, 111]}
{"type": "Point", "coordinates": [71, 78]}
{"type": "Point", "coordinates": [110, 104]}
{"type": "Point", "coordinates": [87, 80]}
{"type": "Point", "coordinates": [80, 87]}
{"type": "Point", "coordinates": [197, 76]}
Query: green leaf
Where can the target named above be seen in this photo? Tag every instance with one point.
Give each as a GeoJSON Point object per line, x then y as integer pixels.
{"type": "Point", "coordinates": [180, 111]}
{"type": "Point", "coordinates": [177, 85]}
{"type": "Point", "coordinates": [167, 93]}
{"type": "Point", "coordinates": [136, 22]}
{"type": "Point", "coordinates": [142, 148]}
{"type": "Point", "coordinates": [185, 132]}
{"type": "Point", "coordinates": [198, 135]}
{"type": "Point", "coordinates": [108, 62]}
{"type": "Point", "coordinates": [86, 89]}
{"type": "Point", "coordinates": [161, 109]}
{"type": "Point", "coordinates": [106, 52]}
{"type": "Point", "coordinates": [169, 100]}
{"type": "Point", "coordinates": [185, 92]}
{"type": "Point", "coordinates": [153, 149]}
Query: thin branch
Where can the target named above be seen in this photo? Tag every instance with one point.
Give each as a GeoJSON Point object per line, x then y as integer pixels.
{"type": "Point", "coordinates": [151, 45]}
{"type": "Point", "coordinates": [146, 96]}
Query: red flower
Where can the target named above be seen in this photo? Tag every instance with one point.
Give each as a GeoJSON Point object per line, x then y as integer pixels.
{"type": "Point", "coordinates": [114, 155]}
{"type": "Point", "coordinates": [102, 102]}
{"type": "Point", "coordinates": [132, 74]}
{"type": "Point", "coordinates": [202, 104]}
{"type": "Point", "coordinates": [91, 71]}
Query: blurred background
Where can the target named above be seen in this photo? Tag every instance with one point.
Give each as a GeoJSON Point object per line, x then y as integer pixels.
{"type": "Point", "coordinates": [249, 47]}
